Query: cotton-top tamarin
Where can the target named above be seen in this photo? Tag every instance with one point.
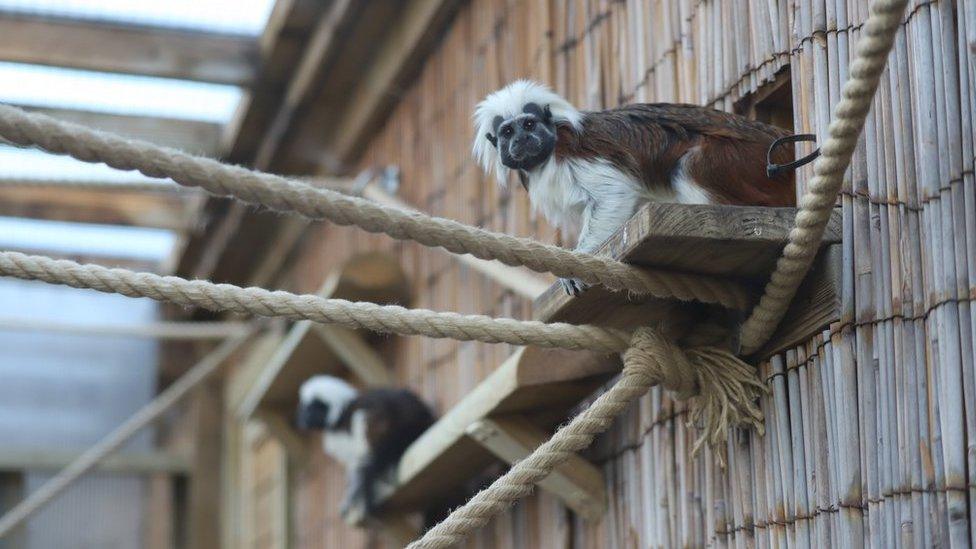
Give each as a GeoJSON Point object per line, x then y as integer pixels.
{"type": "Point", "coordinates": [591, 171]}
{"type": "Point", "coordinates": [366, 431]}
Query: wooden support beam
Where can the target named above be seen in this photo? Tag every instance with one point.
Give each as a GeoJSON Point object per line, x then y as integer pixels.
{"type": "Point", "coordinates": [154, 330]}
{"type": "Point", "coordinates": [346, 38]}
{"type": "Point", "coordinates": [131, 208]}
{"type": "Point", "coordinates": [300, 356]}
{"type": "Point", "coordinates": [383, 47]}
{"type": "Point", "coordinates": [279, 427]}
{"type": "Point", "coordinates": [108, 47]}
{"type": "Point", "coordinates": [352, 350]}
{"type": "Point", "coordinates": [203, 505]}
{"type": "Point", "coordinates": [314, 67]}
{"type": "Point", "coordinates": [306, 351]}
{"type": "Point", "coordinates": [281, 47]}
{"type": "Point", "coordinates": [12, 460]}
{"type": "Point", "coordinates": [576, 482]}
{"type": "Point", "coordinates": [417, 28]}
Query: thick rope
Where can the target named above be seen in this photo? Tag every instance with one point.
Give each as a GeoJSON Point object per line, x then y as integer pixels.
{"type": "Point", "coordinates": [112, 442]}
{"type": "Point", "coordinates": [722, 390]}
{"type": "Point", "coordinates": [285, 195]}
{"type": "Point", "coordinates": [261, 302]}
{"type": "Point", "coordinates": [818, 202]}
{"type": "Point", "coordinates": [728, 389]}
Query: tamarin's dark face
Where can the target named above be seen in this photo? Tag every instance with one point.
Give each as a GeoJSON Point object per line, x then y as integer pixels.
{"type": "Point", "coordinates": [526, 140]}
{"type": "Point", "coordinates": [313, 415]}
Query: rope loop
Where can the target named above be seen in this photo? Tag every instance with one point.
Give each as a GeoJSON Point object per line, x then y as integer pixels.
{"type": "Point", "coordinates": [722, 390]}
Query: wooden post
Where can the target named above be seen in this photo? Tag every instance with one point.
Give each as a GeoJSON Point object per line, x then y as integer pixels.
{"type": "Point", "coordinates": [204, 495]}
{"type": "Point", "coordinates": [11, 492]}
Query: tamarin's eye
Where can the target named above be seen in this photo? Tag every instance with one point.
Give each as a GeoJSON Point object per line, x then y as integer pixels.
{"type": "Point", "coordinates": [529, 124]}
{"type": "Point", "coordinates": [507, 131]}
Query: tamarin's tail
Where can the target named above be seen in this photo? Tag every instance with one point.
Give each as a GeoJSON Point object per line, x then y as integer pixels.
{"type": "Point", "coordinates": [773, 169]}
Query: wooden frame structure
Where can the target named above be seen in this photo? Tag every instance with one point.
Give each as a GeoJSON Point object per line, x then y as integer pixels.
{"type": "Point", "coordinates": [508, 413]}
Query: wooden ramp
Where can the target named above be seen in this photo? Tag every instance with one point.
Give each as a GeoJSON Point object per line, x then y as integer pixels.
{"type": "Point", "coordinates": [513, 410]}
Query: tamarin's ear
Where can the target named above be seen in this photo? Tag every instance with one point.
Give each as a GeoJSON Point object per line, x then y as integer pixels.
{"type": "Point", "coordinates": [547, 114]}
{"type": "Point", "coordinates": [492, 139]}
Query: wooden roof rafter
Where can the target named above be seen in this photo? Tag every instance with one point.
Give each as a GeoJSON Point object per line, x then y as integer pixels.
{"type": "Point", "coordinates": [128, 49]}
{"type": "Point", "coordinates": [175, 211]}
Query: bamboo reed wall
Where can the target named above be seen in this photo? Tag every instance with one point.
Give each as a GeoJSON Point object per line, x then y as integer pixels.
{"type": "Point", "coordinates": [869, 424]}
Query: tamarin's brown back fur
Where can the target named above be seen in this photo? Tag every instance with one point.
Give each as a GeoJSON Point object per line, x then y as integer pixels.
{"type": "Point", "coordinates": [726, 153]}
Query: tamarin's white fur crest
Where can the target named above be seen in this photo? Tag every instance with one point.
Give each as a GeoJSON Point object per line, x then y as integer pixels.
{"type": "Point", "coordinates": [367, 431]}
{"type": "Point", "coordinates": [508, 102]}
{"type": "Point", "coordinates": [332, 390]}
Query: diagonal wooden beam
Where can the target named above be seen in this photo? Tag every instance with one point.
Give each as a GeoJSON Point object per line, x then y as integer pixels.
{"type": "Point", "coordinates": [577, 482]}
{"type": "Point", "coordinates": [107, 47]}
{"type": "Point", "coordinates": [280, 50]}
{"type": "Point", "coordinates": [418, 28]}
{"type": "Point", "coordinates": [380, 56]}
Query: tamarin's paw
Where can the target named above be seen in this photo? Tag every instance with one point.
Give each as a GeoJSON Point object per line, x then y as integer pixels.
{"type": "Point", "coordinates": [573, 286]}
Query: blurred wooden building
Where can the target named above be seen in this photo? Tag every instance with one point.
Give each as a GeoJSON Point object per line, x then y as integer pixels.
{"type": "Point", "coordinates": [871, 410]}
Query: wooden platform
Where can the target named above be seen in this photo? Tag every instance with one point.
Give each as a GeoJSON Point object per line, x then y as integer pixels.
{"type": "Point", "coordinates": [541, 386]}
{"type": "Point", "coordinates": [739, 243]}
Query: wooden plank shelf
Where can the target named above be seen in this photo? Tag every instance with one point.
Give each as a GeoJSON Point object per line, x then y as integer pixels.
{"type": "Point", "coordinates": [526, 383]}
{"type": "Point", "coordinates": [739, 243]}
{"type": "Point", "coordinates": [541, 386]}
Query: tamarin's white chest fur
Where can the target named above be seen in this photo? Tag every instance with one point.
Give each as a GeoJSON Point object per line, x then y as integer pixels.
{"type": "Point", "coordinates": [348, 447]}
{"type": "Point", "coordinates": [566, 192]}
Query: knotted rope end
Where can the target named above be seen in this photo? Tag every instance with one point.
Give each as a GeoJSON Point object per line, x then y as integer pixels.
{"type": "Point", "coordinates": [722, 389]}
{"type": "Point", "coordinates": [729, 390]}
